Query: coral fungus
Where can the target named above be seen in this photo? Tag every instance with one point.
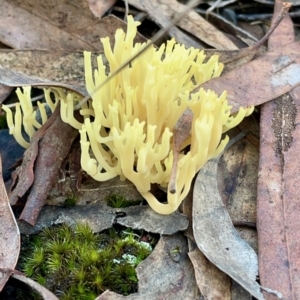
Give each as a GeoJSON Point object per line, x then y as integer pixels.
{"type": "Point", "coordinates": [128, 127]}
{"type": "Point", "coordinates": [130, 131]}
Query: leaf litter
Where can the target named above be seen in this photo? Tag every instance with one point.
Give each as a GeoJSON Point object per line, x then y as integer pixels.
{"type": "Point", "coordinates": [9, 234]}
{"type": "Point", "coordinates": [285, 63]}
{"type": "Point", "coordinates": [278, 195]}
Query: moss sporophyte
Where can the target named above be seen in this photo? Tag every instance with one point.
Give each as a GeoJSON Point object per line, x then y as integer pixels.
{"type": "Point", "coordinates": [128, 124]}
{"type": "Point", "coordinates": [75, 263]}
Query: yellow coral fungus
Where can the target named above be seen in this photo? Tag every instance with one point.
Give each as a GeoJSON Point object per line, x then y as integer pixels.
{"type": "Point", "coordinates": [129, 123]}
{"type": "Point", "coordinates": [28, 120]}
{"type": "Point", "coordinates": [134, 114]}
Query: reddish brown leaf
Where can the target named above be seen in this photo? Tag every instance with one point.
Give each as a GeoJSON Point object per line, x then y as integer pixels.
{"type": "Point", "coordinates": [260, 80]}
{"type": "Point", "coordinates": [9, 234]}
{"type": "Point", "coordinates": [278, 192]}
{"type": "Point", "coordinates": [25, 171]}
{"type": "Point", "coordinates": [53, 149]}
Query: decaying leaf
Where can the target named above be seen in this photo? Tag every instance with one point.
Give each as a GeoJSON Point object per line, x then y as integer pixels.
{"type": "Point", "coordinates": [278, 193]}
{"type": "Point", "coordinates": [260, 80]}
{"type": "Point", "coordinates": [213, 283]}
{"type": "Point", "coordinates": [57, 66]}
{"type": "Point", "coordinates": [53, 149]}
{"type": "Point", "coordinates": [26, 171]}
{"type": "Point", "coordinates": [216, 236]}
{"type": "Point", "coordinates": [14, 78]}
{"type": "Point", "coordinates": [9, 234]}
{"type": "Point", "coordinates": [62, 25]}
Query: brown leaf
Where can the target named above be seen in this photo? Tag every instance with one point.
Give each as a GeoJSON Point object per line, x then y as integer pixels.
{"type": "Point", "coordinates": [58, 66]}
{"type": "Point", "coordinates": [100, 7]}
{"type": "Point", "coordinates": [14, 78]}
{"type": "Point", "coordinates": [213, 283]}
{"type": "Point", "coordinates": [25, 172]}
{"type": "Point", "coordinates": [237, 177]}
{"type": "Point", "coordinates": [166, 273]}
{"type": "Point", "coordinates": [278, 205]}
{"type": "Point", "coordinates": [9, 234]}
{"type": "Point", "coordinates": [53, 149]}
{"type": "Point", "coordinates": [215, 235]}
{"type": "Point", "coordinates": [163, 10]}
{"type": "Point", "coordinates": [260, 80]}
{"type": "Point", "coordinates": [65, 25]}
{"type": "Point", "coordinates": [22, 29]}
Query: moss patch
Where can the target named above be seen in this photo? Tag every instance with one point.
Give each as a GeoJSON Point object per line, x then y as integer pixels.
{"type": "Point", "coordinates": [75, 263]}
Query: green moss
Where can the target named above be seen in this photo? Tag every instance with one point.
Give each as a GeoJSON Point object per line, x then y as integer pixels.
{"type": "Point", "coordinates": [119, 201]}
{"type": "Point", "coordinates": [70, 201]}
{"type": "Point", "coordinates": [75, 263]}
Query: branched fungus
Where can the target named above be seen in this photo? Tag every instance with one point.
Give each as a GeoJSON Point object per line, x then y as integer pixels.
{"type": "Point", "coordinates": [26, 117]}
{"type": "Point", "coordinates": [130, 132]}
{"type": "Point", "coordinates": [129, 124]}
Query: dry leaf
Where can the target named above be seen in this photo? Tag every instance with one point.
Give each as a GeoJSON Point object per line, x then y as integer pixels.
{"type": "Point", "coordinates": [20, 28]}
{"type": "Point", "coordinates": [25, 171]}
{"type": "Point", "coordinates": [163, 10]}
{"type": "Point", "coordinates": [237, 177]}
{"type": "Point", "coordinates": [54, 25]}
{"type": "Point", "coordinates": [14, 78]}
{"type": "Point", "coordinates": [9, 234]}
{"type": "Point", "coordinates": [53, 149]}
{"type": "Point", "coordinates": [58, 66]}
{"type": "Point", "coordinates": [100, 7]}
{"type": "Point", "coordinates": [278, 195]}
{"type": "Point", "coordinates": [215, 235]}
{"type": "Point", "coordinates": [213, 283]}
{"type": "Point", "coordinates": [260, 80]}
{"type": "Point", "coordinates": [236, 32]}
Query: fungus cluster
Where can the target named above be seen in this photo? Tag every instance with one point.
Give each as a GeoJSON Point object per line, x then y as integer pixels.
{"type": "Point", "coordinates": [128, 127]}
{"type": "Point", "coordinates": [26, 117]}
